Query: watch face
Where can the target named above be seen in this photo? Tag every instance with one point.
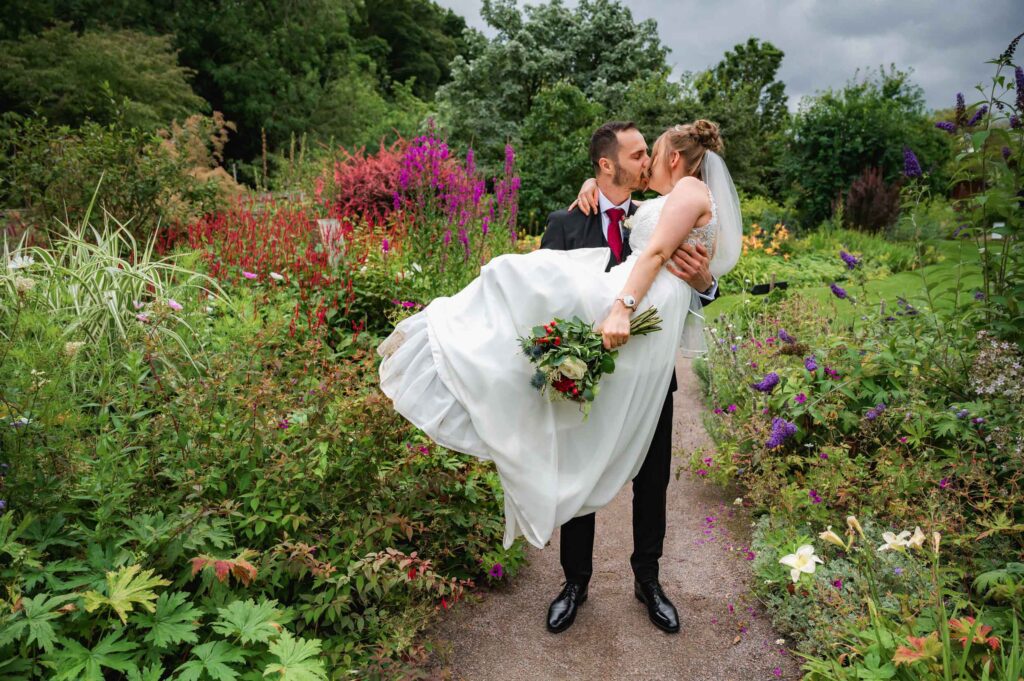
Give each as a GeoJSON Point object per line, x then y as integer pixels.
{"type": "Point", "coordinates": [629, 301]}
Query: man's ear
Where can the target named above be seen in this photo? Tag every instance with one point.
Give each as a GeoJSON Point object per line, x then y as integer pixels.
{"type": "Point", "coordinates": [605, 165]}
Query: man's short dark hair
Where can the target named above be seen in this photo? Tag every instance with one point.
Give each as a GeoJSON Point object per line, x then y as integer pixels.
{"type": "Point", "coordinates": [604, 143]}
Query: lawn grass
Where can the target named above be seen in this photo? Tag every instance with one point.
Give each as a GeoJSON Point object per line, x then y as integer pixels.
{"type": "Point", "coordinates": [960, 261]}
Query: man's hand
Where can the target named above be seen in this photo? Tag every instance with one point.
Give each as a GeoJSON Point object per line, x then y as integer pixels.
{"type": "Point", "coordinates": [587, 199]}
{"type": "Point", "coordinates": [690, 263]}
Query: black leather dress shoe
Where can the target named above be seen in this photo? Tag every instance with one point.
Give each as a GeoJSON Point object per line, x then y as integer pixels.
{"type": "Point", "coordinates": [562, 612]}
{"type": "Point", "coordinates": [659, 608]}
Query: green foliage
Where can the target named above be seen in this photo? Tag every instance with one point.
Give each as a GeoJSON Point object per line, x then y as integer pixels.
{"type": "Point", "coordinates": [742, 94]}
{"type": "Point", "coordinates": [104, 76]}
{"type": "Point", "coordinates": [837, 134]}
{"type": "Point", "coordinates": [57, 173]}
{"type": "Point", "coordinates": [555, 137]}
{"type": "Point", "coordinates": [491, 94]}
{"type": "Point", "coordinates": [989, 156]}
{"type": "Point", "coordinates": [412, 41]}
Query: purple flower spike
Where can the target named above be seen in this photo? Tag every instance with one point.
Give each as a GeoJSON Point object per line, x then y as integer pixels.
{"type": "Point", "coordinates": [782, 430]}
{"type": "Point", "coordinates": [911, 166]}
{"type": "Point", "coordinates": [1015, 121]}
{"type": "Point", "coordinates": [982, 110]}
{"type": "Point", "coordinates": [850, 260]}
{"type": "Point", "coordinates": [767, 384]}
{"type": "Point", "coordinates": [947, 126]}
{"type": "Point", "coordinates": [1019, 75]}
{"type": "Point", "coordinates": [961, 108]}
{"type": "Point", "coordinates": [1006, 153]}
{"type": "Point", "coordinates": [810, 364]}
{"type": "Point", "coordinates": [838, 291]}
{"type": "Point", "coordinates": [785, 337]}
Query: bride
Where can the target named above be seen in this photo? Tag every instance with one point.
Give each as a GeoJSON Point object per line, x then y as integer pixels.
{"type": "Point", "coordinates": [455, 370]}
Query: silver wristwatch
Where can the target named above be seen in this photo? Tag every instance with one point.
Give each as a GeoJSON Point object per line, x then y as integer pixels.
{"type": "Point", "coordinates": [629, 301]}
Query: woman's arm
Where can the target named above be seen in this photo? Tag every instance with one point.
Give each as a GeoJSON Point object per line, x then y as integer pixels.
{"type": "Point", "coordinates": [684, 206]}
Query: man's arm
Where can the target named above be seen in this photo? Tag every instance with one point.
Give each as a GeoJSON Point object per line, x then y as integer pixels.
{"type": "Point", "coordinates": [554, 233]}
{"type": "Point", "coordinates": [690, 263]}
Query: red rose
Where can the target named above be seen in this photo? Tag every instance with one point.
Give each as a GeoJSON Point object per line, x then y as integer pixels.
{"type": "Point", "coordinates": [564, 385]}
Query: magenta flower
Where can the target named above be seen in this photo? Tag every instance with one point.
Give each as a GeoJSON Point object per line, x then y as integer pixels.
{"type": "Point", "coordinates": [250, 275]}
{"type": "Point", "coordinates": [718, 410]}
{"type": "Point", "coordinates": [944, 483]}
{"type": "Point", "coordinates": [800, 398]}
{"type": "Point", "coordinates": [903, 439]}
{"type": "Point", "coordinates": [831, 373]}
{"type": "Point", "coordinates": [731, 408]}
{"type": "Point", "coordinates": [837, 583]}
{"type": "Point", "coordinates": [702, 472]}
{"type": "Point", "coordinates": [813, 494]}
{"type": "Point", "coordinates": [823, 456]}
{"type": "Point", "coordinates": [385, 246]}
{"type": "Point", "coordinates": [283, 424]}
{"type": "Point", "coordinates": [497, 571]}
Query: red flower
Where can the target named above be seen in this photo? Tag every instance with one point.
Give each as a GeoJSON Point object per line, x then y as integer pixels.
{"type": "Point", "coordinates": [558, 341]}
{"type": "Point", "coordinates": [564, 385]}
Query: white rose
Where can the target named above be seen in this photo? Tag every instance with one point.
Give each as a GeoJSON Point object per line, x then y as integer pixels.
{"type": "Point", "coordinates": [573, 367]}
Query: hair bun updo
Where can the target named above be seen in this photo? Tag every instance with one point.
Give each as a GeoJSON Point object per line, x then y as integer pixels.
{"type": "Point", "coordinates": [707, 135]}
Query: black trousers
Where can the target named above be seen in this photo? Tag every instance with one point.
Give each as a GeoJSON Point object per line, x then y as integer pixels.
{"type": "Point", "coordinates": [649, 497]}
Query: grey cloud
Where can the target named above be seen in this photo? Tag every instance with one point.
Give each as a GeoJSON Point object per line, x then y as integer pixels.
{"type": "Point", "coordinates": [826, 41]}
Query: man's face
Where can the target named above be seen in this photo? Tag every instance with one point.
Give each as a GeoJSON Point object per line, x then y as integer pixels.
{"type": "Point", "coordinates": [633, 162]}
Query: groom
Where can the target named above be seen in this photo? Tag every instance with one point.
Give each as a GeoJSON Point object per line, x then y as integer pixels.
{"type": "Point", "coordinates": [618, 153]}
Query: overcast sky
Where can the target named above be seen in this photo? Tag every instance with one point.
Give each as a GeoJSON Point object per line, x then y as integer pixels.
{"type": "Point", "coordinates": [945, 43]}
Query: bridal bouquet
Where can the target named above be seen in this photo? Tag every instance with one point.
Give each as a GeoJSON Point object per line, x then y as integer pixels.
{"type": "Point", "coordinates": [570, 357]}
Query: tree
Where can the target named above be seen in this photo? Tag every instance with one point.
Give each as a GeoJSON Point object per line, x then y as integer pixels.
{"type": "Point", "coordinates": [554, 141]}
{"type": "Point", "coordinates": [837, 134]}
{"type": "Point", "coordinates": [123, 76]}
{"type": "Point", "coordinates": [411, 39]}
{"type": "Point", "coordinates": [742, 94]}
{"type": "Point", "coordinates": [596, 47]}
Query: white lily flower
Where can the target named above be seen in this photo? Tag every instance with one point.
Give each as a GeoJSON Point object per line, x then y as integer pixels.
{"type": "Point", "coordinates": [895, 542]}
{"type": "Point", "coordinates": [917, 540]}
{"type": "Point", "coordinates": [20, 261]}
{"type": "Point", "coordinates": [803, 561]}
{"type": "Point", "coordinates": [831, 537]}
{"type": "Point", "coordinates": [854, 524]}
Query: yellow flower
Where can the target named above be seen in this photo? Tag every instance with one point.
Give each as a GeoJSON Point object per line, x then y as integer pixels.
{"type": "Point", "coordinates": [895, 542]}
{"type": "Point", "coordinates": [854, 525]}
{"type": "Point", "coordinates": [831, 537]}
{"type": "Point", "coordinates": [917, 540]}
{"type": "Point", "coordinates": [801, 562]}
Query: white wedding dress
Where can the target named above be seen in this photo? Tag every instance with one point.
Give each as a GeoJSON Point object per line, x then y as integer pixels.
{"type": "Point", "coordinates": [455, 370]}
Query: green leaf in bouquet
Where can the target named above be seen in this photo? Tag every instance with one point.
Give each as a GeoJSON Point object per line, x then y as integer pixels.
{"type": "Point", "coordinates": [608, 363]}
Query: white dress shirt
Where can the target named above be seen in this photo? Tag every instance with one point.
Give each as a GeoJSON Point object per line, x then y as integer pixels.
{"type": "Point", "coordinates": [604, 203]}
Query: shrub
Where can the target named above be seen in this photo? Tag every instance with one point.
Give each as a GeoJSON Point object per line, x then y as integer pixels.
{"type": "Point", "coordinates": [871, 203]}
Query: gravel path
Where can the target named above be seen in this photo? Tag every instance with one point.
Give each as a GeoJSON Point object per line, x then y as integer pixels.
{"type": "Point", "coordinates": [724, 634]}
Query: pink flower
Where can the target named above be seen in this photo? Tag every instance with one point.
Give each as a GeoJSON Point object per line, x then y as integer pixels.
{"type": "Point", "coordinates": [708, 460]}
{"type": "Point", "coordinates": [903, 439]}
{"type": "Point", "coordinates": [777, 671]}
{"type": "Point", "coordinates": [944, 483]}
{"type": "Point", "coordinates": [137, 304]}
{"type": "Point", "coordinates": [174, 304]}
{"type": "Point", "coordinates": [702, 472]}
{"type": "Point", "coordinates": [837, 583]}
{"type": "Point", "coordinates": [750, 555]}
{"type": "Point", "coordinates": [142, 318]}
{"type": "Point", "coordinates": [250, 275]}
{"type": "Point", "coordinates": [732, 408]}
{"type": "Point", "coordinates": [800, 399]}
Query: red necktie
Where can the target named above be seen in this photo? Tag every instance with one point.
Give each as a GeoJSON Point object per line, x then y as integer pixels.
{"type": "Point", "coordinates": [614, 232]}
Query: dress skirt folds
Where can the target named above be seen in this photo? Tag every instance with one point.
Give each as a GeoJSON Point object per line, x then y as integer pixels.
{"type": "Point", "coordinates": [455, 370]}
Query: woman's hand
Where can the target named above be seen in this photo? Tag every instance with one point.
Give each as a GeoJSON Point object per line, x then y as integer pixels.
{"type": "Point", "coordinates": [587, 199]}
{"type": "Point", "coordinates": [615, 328]}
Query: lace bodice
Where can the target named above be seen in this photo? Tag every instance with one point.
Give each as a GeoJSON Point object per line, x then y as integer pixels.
{"type": "Point", "coordinates": [645, 219]}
